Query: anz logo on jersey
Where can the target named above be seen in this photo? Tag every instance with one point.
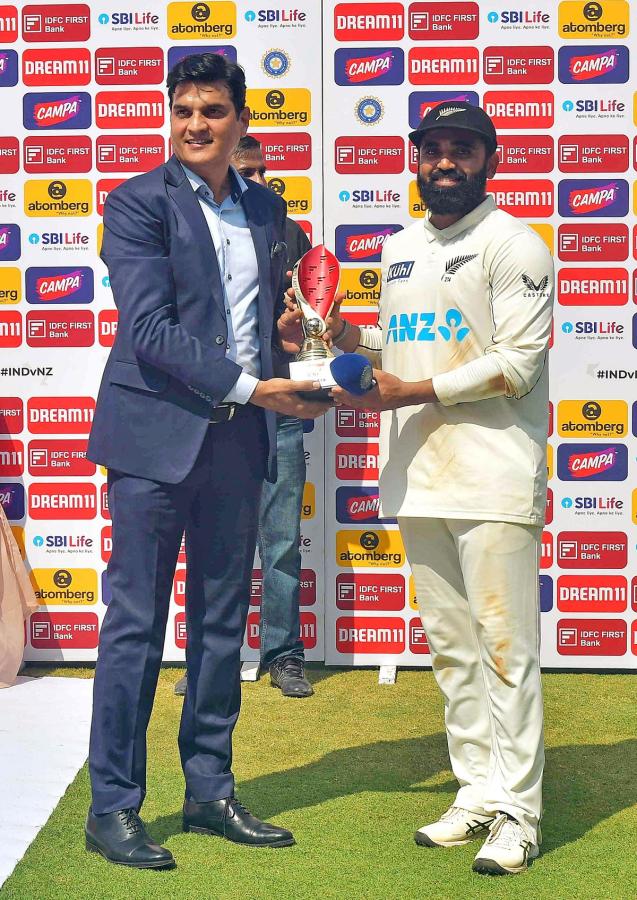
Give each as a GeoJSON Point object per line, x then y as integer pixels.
{"type": "Point", "coordinates": [408, 327]}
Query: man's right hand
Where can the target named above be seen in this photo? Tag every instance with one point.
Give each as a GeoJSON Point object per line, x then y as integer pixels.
{"type": "Point", "coordinates": [281, 395]}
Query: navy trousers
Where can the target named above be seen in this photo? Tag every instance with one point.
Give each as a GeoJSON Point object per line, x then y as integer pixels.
{"type": "Point", "coordinates": [216, 505]}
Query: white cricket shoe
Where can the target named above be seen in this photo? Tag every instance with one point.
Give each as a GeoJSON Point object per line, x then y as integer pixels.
{"type": "Point", "coordinates": [454, 828]}
{"type": "Point", "coordinates": [507, 850]}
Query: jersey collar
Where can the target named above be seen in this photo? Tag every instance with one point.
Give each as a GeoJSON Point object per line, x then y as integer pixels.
{"type": "Point", "coordinates": [476, 215]}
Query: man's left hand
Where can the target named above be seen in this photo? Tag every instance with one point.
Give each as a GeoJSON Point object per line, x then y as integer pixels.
{"type": "Point", "coordinates": [389, 393]}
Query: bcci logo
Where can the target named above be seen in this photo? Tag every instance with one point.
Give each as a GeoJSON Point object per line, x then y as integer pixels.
{"type": "Point", "coordinates": [275, 63]}
{"type": "Point", "coordinates": [369, 110]}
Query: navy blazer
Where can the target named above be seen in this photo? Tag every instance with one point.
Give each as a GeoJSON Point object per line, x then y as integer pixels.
{"type": "Point", "coordinates": [168, 364]}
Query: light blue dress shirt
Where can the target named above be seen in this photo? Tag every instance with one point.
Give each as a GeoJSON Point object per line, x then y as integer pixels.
{"type": "Point", "coordinates": [238, 268]}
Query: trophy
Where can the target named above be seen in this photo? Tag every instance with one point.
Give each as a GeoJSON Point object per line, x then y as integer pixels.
{"type": "Point", "coordinates": [315, 282]}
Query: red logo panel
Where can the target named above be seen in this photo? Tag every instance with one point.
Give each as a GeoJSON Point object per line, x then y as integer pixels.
{"type": "Point", "coordinates": [57, 153]}
{"type": "Point", "coordinates": [369, 155]}
{"type": "Point", "coordinates": [443, 21]}
{"type": "Point", "coordinates": [107, 327]}
{"type": "Point", "coordinates": [48, 500]}
{"type": "Point", "coordinates": [102, 189]}
{"type": "Point", "coordinates": [180, 631]}
{"type": "Point", "coordinates": [592, 637]}
{"type": "Point", "coordinates": [179, 587]}
{"type": "Point", "coordinates": [518, 65]}
{"type": "Point", "coordinates": [584, 242]}
{"type": "Point", "coordinates": [129, 152]}
{"type": "Point", "coordinates": [520, 109]}
{"type": "Point", "coordinates": [62, 631]}
{"type": "Point", "coordinates": [592, 550]}
{"type": "Point", "coordinates": [357, 462]}
{"type": "Point", "coordinates": [8, 24]}
{"type": "Point", "coordinates": [53, 67]}
{"type": "Point", "coordinates": [57, 22]}
{"type": "Point", "coordinates": [307, 587]}
{"type": "Point", "coordinates": [53, 458]}
{"type": "Point", "coordinates": [532, 198]}
{"type": "Point", "coordinates": [11, 458]}
{"type": "Point", "coordinates": [525, 154]}
{"type": "Point", "coordinates": [443, 65]}
{"type": "Point", "coordinates": [546, 550]}
{"type": "Point", "coordinates": [60, 328]}
{"type": "Point", "coordinates": [308, 631]}
{"type": "Point", "coordinates": [592, 593]}
{"type": "Point", "coordinates": [106, 542]}
{"type": "Point", "coordinates": [592, 286]}
{"type": "Point", "coordinates": [129, 109]}
{"type": "Point", "coordinates": [590, 153]}
{"type": "Point", "coordinates": [9, 155]}
{"type": "Point", "coordinates": [287, 151]}
{"type": "Point", "coordinates": [369, 22]}
{"type": "Point", "coordinates": [10, 329]}
{"type": "Point", "coordinates": [357, 422]}
{"type": "Point", "coordinates": [129, 65]}
{"type": "Point", "coordinates": [370, 634]}
{"type": "Point", "coordinates": [11, 415]}
{"type": "Point", "coordinates": [417, 638]}
{"type": "Point", "coordinates": [548, 513]}
{"type": "Point", "coordinates": [60, 415]}
{"type": "Point", "coordinates": [104, 510]}
{"type": "Point", "coordinates": [372, 593]}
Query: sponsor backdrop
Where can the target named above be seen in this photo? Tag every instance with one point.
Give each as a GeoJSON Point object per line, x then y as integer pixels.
{"type": "Point", "coordinates": [334, 88]}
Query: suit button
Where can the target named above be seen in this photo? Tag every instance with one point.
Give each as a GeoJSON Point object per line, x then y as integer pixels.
{"type": "Point", "coordinates": [220, 339]}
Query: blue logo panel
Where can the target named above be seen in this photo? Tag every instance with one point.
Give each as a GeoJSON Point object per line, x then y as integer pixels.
{"type": "Point", "coordinates": [546, 593]}
{"type": "Point", "coordinates": [592, 462]}
{"type": "Point", "coordinates": [9, 243]}
{"type": "Point", "coordinates": [62, 284]}
{"type": "Point", "coordinates": [359, 505]}
{"type": "Point", "coordinates": [420, 102]}
{"type": "Point", "coordinates": [12, 500]}
{"type": "Point", "coordinates": [362, 242]}
{"type": "Point", "coordinates": [362, 66]}
{"type": "Point", "coordinates": [56, 111]}
{"type": "Point", "coordinates": [593, 65]}
{"type": "Point", "coordinates": [593, 198]}
{"type": "Point", "coordinates": [8, 68]}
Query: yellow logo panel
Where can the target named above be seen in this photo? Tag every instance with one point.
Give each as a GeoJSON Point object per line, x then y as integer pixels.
{"type": "Point", "coordinates": [65, 587]}
{"type": "Point", "coordinates": [71, 197]}
{"type": "Point", "coordinates": [308, 507]}
{"type": "Point", "coordinates": [369, 549]}
{"type": "Point", "coordinates": [360, 286]}
{"type": "Point", "coordinates": [413, 600]}
{"type": "Point", "coordinates": [416, 207]}
{"type": "Point", "coordinates": [635, 507]}
{"type": "Point", "coordinates": [278, 108]}
{"type": "Point", "coordinates": [202, 21]}
{"type": "Point", "coordinates": [296, 190]}
{"type": "Point", "coordinates": [592, 419]}
{"type": "Point", "coordinates": [606, 20]}
{"type": "Point", "coordinates": [100, 237]}
{"type": "Point", "coordinates": [549, 461]}
{"type": "Point", "coordinates": [10, 285]}
{"type": "Point", "coordinates": [18, 534]}
{"type": "Point", "coordinates": [546, 232]}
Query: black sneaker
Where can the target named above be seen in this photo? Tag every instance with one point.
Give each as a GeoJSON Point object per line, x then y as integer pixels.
{"type": "Point", "coordinates": [288, 673]}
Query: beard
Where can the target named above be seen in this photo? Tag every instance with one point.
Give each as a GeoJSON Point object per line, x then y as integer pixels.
{"type": "Point", "coordinates": [459, 199]}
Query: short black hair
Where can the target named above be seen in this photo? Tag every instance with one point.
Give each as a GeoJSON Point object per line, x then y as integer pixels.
{"type": "Point", "coordinates": [205, 68]}
{"type": "Point", "coordinates": [247, 145]}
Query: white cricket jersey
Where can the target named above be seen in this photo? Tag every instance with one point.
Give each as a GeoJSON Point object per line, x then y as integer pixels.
{"type": "Point", "coordinates": [464, 306]}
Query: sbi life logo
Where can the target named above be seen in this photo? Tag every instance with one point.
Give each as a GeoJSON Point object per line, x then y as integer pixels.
{"type": "Point", "coordinates": [416, 327]}
{"type": "Point", "coordinates": [250, 15]}
{"type": "Point", "coordinates": [493, 17]}
{"type": "Point", "coordinates": [567, 327]}
{"type": "Point", "coordinates": [38, 541]}
{"type": "Point", "coordinates": [568, 106]}
{"type": "Point", "coordinates": [567, 502]}
{"type": "Point", "coordinates": [103, 19]}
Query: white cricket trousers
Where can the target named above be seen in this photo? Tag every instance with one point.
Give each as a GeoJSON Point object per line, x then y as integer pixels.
{"type": "Point", "coordinates": [478, 594]}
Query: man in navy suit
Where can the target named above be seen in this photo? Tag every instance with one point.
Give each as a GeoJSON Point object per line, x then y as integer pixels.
{"type": "Point", "coordinates": [185, 424]}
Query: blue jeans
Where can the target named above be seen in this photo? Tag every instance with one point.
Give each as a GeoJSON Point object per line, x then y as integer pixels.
{"type": "Point", "coordinates": [278, 537]}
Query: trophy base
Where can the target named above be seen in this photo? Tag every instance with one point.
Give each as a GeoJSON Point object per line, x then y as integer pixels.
{"type": "Point", "coordinates": [314, 370]}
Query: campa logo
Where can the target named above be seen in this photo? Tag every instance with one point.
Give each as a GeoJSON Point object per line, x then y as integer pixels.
{"type": "Point", "coordinates": [596, 197]}
{"type": "Point", "coordinates": [595, 65]}
{"type": "Point", "coordinates": [369, 65]}
{"type": "Point", "coordinates": [59, 285]}
{"type": "Point", "coordinates": [56, 110]}
{"type": "Point", "coordinates": [201, 20]}
{"type": "Point", "coordinates": [354, 242]}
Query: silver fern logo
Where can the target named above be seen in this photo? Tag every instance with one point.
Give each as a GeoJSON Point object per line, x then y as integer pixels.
{"type": "Point", "coordinates": [449, 111]}
{"type": "Point", "coordinates": [453, 265]}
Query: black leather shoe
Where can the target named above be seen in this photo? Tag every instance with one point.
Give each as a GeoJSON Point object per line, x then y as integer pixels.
{"type": "Point", "coordinates": [288, 673]}
{"type": "Point", "coordinates": [180, 686]}
{"type": "Point", "coordinates": [230, 819]}
{"type": "Point", "coordinates": [121, 837]}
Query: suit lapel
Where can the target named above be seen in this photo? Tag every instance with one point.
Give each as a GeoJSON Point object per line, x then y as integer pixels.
{"type": "Point", "coordinates": [182, 194]}
{"type": "Point", "coordinates": [258, 230]}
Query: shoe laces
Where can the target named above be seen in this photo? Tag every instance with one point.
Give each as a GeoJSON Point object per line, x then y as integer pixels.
{"type": "Point", "coordinates": [233, 805]}
{"type": "Point", "coordinates": [292, 665]}
{"type": "Point", "coordinates": [506, 833]}
{"type": "Point", "coordinates": [458, 814]}
{"type": "Point", "coordinates": [130, 820]}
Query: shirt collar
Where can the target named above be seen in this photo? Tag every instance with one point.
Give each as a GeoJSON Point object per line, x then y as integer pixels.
{"type": "Point", "coordinates": [238, 187]}
{"type": "Point", "coordinates": [476, 215]}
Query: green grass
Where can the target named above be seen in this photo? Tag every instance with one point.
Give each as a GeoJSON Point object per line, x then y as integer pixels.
{"type": "Point", "coordinates": [353, 772]}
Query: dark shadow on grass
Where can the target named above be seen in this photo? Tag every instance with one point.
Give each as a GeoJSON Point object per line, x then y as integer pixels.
{"type": "Point", "coordinates": [584, 784]}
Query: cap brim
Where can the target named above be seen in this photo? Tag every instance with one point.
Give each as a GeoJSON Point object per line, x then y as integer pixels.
{"type": "Point", "coordinates": [416, 136]}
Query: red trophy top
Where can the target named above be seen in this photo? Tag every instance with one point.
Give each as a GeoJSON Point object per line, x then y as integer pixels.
{"type": "Point", "coordinates": [318, 275]}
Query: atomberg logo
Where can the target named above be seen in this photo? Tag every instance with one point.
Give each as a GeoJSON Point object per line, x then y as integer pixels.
{"type": "Point", "coordinates": [296, 190]}
{"type": "Point", "coordinates": [278, 108]}
{"type": "Point", "coordinates": [586, 152]}
{"type": "Point", "coordinates": [9, 155]}
{"type": "Point", "coordinates": [129, 109]}
{"type": "Point", "coordinates": [50, 458]}
{"type": "Point", "coordinates": [422, 102]}
{"type": "Point", "coordinates": [8, 24]}
{"type": "Point", "coordinates": [452, 65]}
{"type": "Point", "coordinates": [369, 65]}
{"type": "Point", "coordinates": [286, 151]}
{"type": "Point", "coordinates": [60, 415]}
{"type": "Point", "coordinates": [356, 242]}
{"type": "Point", "coordinates": [61, 587]}
{"type": "Point", "coordinates": [370, 592]}
{"type": "Point", "coordinates": [602, 419]}
{"type": "Point", "coordinates": [408, 327]}
{"type": "Point", "coordinates": [201, 20]}
{"type": "Point", "coordinates": [9, 243]}
{"type": "Point", "coordinates": [129, 65]}
{"type": "Point", "coordinates": [435, 22]}
{"type": "Point", "coordinates": [592, 287]}
{"type": "Point", "coordinates": [520, 109]}
{"type": "Point", "coordinates": [578, 20]}
{"type": "Point", "coordinates": [588, 462]}
{"type": "Point", "coordinates": [59, 285]}
{"type": "Point", "coordinates": [369, 549]}
{"type": "Point", "coordinates": [596, 65]}
{"type": "Point", "coordinates": [58, 198]}
{"type": "Point", "coordinates": [47, 68]}
{"type": "Point", "coordinates": [10, 285]}
{"type": "Point", "coordinates": [53, 500]}
{"type": "Point", "coordinates": [8, 68]}
{"type": "Point", "coordinates": [592, 593]}
{"type": "Point", "coordinates": [579, 242]}
{"type": "Point", "coordinates": [362, 21]}
{"type": "Point", "coordinates": [60, 22]}
{"type": "Point", "coordinates": [371, 155]}
{"type": "Point", "coordinates": [595, 197]}
{"type": "Point", "coordinates": [54, 153]}
{"type": "Point", "coordinates": [526, 153]}
{"type": "Point", "coordinates": [56, 110]}
{"type": "Point", "coordinates": [518, 65]}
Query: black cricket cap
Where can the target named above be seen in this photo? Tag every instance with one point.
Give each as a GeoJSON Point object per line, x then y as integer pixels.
{"type": "Point", "coordinates": [457, 114]}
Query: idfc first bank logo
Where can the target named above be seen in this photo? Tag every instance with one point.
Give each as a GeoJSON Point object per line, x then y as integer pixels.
{"type": "Point", "coordinates": [593, 65]}
{"type": "Point", "coordinates": [57, 110]}
{"type": "Point", "coordinates": [369, 65]}
{"type": "Point", "coordinates": [597, 197]}
{"type": "Point", "coordinates": [56, 22]}
{"type": "Point", "coordinates": [357, 242]}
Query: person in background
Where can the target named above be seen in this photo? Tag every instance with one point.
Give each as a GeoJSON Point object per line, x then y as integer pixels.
{"type": "Point", "coordinates": [17, 602]}
{"type": "Point", "coordinates": [279, 530]}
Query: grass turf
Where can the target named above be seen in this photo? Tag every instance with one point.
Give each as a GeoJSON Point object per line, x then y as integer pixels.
{"type": "Point", "coordinates": [353, 772]}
